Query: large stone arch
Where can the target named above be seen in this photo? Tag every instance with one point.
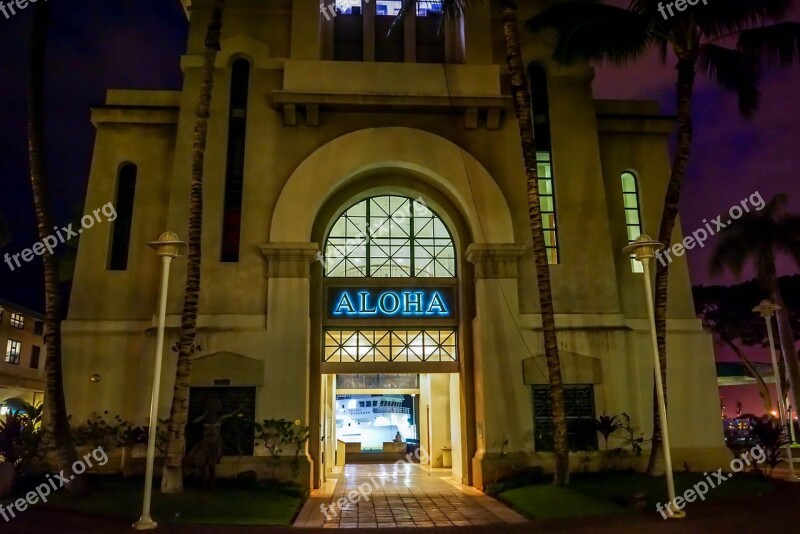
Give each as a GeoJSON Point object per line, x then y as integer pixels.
{"type": "Point", "coordinates": [431, 158]}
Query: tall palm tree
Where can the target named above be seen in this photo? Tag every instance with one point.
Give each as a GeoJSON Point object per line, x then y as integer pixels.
{"type": "Point", "coordinates": [521, 97]}
{"type": "Point", "coordinates": [757, 237]}
{"type": "Point", "coordinates": [57, 422]}
{"type": "Point", "coordinates": [588, 30]}
{"type": "Point", "coordinates": [172, 479]}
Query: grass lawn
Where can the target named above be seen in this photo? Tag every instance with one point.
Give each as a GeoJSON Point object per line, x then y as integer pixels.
{"type": "Point", "coordinates": [227, 504]}
{"type": "Point", "coordinates": [607, 493]}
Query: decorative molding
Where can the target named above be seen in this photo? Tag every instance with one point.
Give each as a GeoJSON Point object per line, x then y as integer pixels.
{"type": "Point", "coordinates": [495, 260]}
{"type": "Point", "coordinates": [290, 260]}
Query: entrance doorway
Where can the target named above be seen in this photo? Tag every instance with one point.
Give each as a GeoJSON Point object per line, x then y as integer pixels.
{"type": "Point", "coordinates": [386, 418]}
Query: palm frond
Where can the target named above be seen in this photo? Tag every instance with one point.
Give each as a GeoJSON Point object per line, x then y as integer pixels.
{"type": "Point", "coordinates": [592, 31]}
{"type": "Point", "coordinates": [401, 15]}
{"type": "Point", "coordinates": [734, 71]}
{"type": "Point", "coordinates": [718, 18]}
{"type": "Point", "coordinates": [778, 44]}
{"type": "Point", "coordinates": [788, 236]}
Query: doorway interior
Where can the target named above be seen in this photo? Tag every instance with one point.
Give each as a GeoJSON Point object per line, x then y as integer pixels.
{"type": "Point", "coordinates": [385, 418]}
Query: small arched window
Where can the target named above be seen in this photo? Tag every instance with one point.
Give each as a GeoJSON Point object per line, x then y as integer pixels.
{"type": "Point", "coordinates": [633, 217]}
{"type": "Point", "coordinates": [121, 227]}
{"type": "Point", "coordinates": [389, 236]}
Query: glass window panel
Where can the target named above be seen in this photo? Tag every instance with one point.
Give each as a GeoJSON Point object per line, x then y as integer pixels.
{"type": "Point", "coordinates": [632, 216]}
{"type": "Point", "coordinates": [389, 233]}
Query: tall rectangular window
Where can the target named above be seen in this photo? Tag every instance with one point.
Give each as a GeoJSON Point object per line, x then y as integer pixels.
{"type": "Point", "coordinates": [35, 354]}
{"type": "Point", "coordinates": [234, 176]}
{"type": "Point", "coordinates": [540, 107]}
{"type": "Point", "coordinates": [579, 410]}
{"type": "Point", "coordinates": [17, 321]}
{"type": "Point", "coordinates": [38, 328]}
{"type": "Point", "coordinates": [121, 227]}
{"type": "Point", "coordinates": [13, 350]}
{"type": "Point", "coordinates": [633, 218]}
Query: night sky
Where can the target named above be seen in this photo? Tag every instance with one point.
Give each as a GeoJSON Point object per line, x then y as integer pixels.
{"type": "Point", "coordinates": [101, 44]}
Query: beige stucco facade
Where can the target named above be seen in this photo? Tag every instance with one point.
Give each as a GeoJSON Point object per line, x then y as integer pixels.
{"type": "Point", "coordinates": [322, 134]}
{"type": "Point", "coordinates": [21, 376]}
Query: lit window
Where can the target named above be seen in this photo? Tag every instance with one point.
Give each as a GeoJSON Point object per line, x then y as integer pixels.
{"type": "Point", "coordinates": [17, 321]}
{"type": "Point", "coordinates": [633, 218]}
{"type": "Point", "coordinates": [540, 108]}
{"type": "Point", "coordinates": [389, 236]}
{"type": "Point", "coordinates": [13, 350]}
{"type": "Point", "coordinates": [347, 346]}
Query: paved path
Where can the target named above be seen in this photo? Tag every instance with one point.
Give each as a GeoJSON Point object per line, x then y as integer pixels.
{"type": "Point", "coordinates": [391, 496]}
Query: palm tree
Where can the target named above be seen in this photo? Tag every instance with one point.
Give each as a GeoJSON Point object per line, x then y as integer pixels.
{"type": "Point", "coordinates": [588, 30]}
{"type": "Point", "coordinates": [57, 422]}
{"type": "Point", "coordinates": [521, 97]}
{"type": "Point", "coordinates": [757, 237]}
{"type": "Point", "coordinates": [172, 479]}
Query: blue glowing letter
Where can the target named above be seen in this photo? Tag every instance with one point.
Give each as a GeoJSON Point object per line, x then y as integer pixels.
{"type": "Point", "coordinates": [436, 305]}
{"type": "Point", "coordinates": [346, 303]}
{"type": "Point", "coordinates": [363, 304]}
{"type": "Point", "coordinates": [387, 310]}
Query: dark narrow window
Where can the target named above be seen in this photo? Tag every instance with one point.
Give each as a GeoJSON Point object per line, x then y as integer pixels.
{"type": "Point", "coordinates": [38, 328]}
{"type": "Point", "coordinates": [35, 353]}
{"type": "Point", "coordinates": [234, 175]}
{"type": "Point", "coordinates": [121, 230]}
{"type": "Point", "coordinates": [540, 102]}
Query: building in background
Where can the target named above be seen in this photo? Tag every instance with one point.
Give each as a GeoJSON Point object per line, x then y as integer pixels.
{"type": "Point", "coordinates": [22, 363]}
{"type": "Point", "coordinates": [366, 236]}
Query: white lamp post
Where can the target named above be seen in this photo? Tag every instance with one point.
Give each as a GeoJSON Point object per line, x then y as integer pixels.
{"type": "Point", "coordinates": [644, 249]}
{"type": "Point", "coordinates": [168, 247]}
{"type": "Point", "coordinates": [767, 309]}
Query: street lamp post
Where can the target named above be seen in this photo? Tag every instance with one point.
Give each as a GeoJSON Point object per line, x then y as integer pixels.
{"type": "Point", "coordinates": [644, 249]}
{"type": "Point", "coordinates": [168, 247]}
{"type": "Point", "coordinates": [767, 309]}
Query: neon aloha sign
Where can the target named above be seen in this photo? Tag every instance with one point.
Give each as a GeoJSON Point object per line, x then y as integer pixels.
{"type": "Point", "coordinates": [406, 303]}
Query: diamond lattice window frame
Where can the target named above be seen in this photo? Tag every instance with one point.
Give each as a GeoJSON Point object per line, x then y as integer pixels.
{"type": "Point", "coordinates": [389, 236]}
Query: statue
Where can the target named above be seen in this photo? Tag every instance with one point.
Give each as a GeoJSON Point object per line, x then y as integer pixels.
{"type": "Point", "coordinates": [207, 454]}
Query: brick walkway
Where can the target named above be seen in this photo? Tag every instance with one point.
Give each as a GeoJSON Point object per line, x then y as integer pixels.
{"type": "Point", "coordinates": [400, 496]}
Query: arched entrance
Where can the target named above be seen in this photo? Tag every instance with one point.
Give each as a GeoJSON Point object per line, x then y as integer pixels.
{"type": "Point", "coordinates": [387, 306]}
{"type": "Point", "coordinates": [369, 163]}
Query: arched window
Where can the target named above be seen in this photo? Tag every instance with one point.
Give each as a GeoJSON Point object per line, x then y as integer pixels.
{"type": "Point", "coordinates": [540, 105]}
{"type": "Point", "coordinates": [389, 236]}
{"type": "Point", "coordinates": [121, 229]}
{"type": "Point", "coordinates": [633, 218]}
{"type": "Point", "coordinates": [234, 173]}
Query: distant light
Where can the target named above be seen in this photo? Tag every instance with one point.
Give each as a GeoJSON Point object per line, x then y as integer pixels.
{"type": "Point", "coordinates": [4, 410]}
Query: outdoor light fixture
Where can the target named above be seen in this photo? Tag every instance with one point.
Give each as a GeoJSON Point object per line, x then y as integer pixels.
{"type": "Point", "coordinates": [644, 249]}
{"type": "Point", "coordinates": [168, 247]}
{"type": "Point", "coordinates": [767, 309]}
{"type": "Point", "coordinates": [95, 378]}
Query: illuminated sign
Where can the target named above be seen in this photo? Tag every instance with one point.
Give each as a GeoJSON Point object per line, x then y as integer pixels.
{"type": "Point", "coordinates": [398, 303]}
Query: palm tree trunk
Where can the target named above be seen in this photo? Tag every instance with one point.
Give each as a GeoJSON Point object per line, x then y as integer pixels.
{"type": "Point", "coordinates": [686, 76]}
{"type": "Point", "coordinates": [56, 419]}
{"type": "Point", "coordinates": [522, 107]}
{"type": "Point", "coordinates": [785, 334]}
{"type": "Point", "coordinates": [172, 479]}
